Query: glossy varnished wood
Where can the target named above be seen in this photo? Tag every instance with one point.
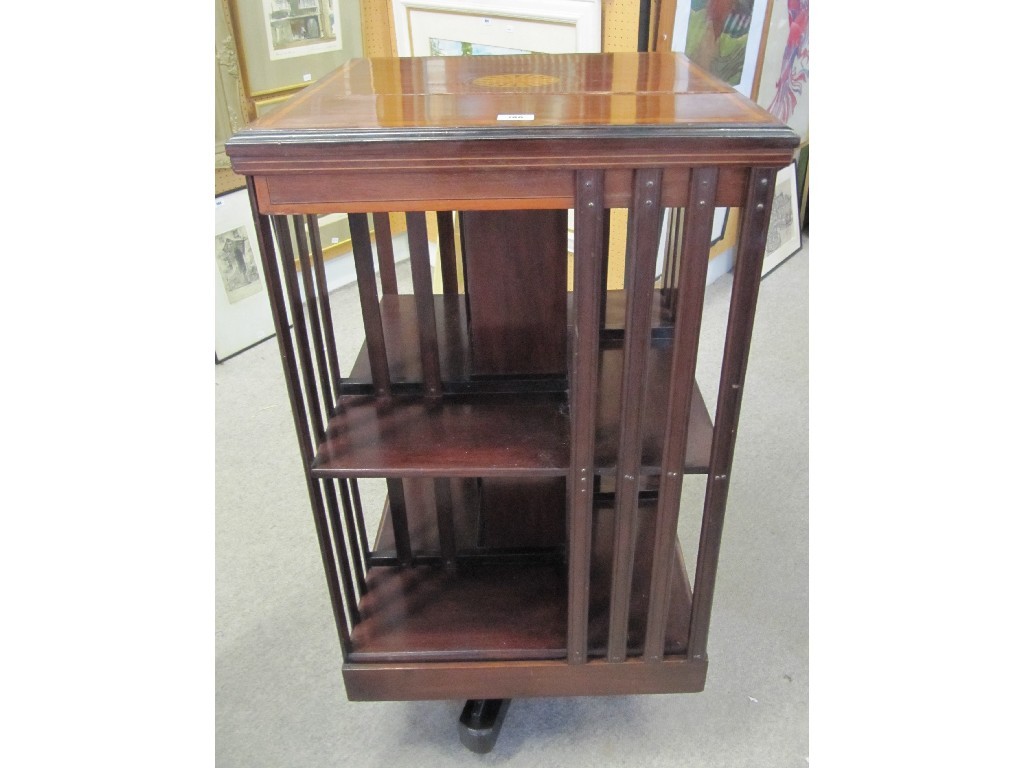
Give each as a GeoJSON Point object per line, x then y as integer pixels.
{"type": "Point", "coordinates": [451, 318]}
{"type": "Point", "coordinates": [491, 611]}
{"type": "Point", "coordinates": [520, 679]}
{"type": "Point", "coordinates": [516, 274]}
{"type": "Point", "coordinates": [503, 433]}
{"type": "Point", "coordinates": [593, 95]}
{"type": "Point", "coordinates": [530, 519]}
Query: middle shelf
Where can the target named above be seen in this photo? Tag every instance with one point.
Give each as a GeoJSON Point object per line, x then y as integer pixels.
{"type": "Point", "coordinates": [474, 429]}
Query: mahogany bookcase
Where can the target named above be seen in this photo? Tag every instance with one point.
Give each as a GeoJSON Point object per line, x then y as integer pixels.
{"type": "Point", "coordinates": [533, 439]}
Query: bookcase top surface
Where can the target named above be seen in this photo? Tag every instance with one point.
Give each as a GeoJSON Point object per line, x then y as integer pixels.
{"type": "Point", "coordinates": [599, 95]}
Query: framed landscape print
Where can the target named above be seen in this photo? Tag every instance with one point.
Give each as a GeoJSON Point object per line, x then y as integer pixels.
{"type": "Point", "coordinates": [243, 315]}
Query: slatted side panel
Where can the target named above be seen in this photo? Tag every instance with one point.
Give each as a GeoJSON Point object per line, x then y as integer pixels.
{"type": "Point", "coordinates": [641, 256]}
{"type": "Point", "coordinates": [309, 404]}
{"type": "Point", "coordinates": [693, 268]}
{"type": "Point", "coordinates": [746, 281]}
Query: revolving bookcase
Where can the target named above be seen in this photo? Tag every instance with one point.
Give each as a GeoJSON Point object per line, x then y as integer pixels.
{"type": "Point", "coordinates": [533, 438]}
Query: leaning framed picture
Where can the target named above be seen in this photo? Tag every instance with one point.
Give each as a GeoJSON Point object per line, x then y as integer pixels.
{"type": "Point", "coordinates": [243, 315]}
{"type": "Point", "coordinates": [784, 225]}
{"type": "Point", "coordinates": [494, 27]}
{"type": "Point", "coordinates": [725, 38]}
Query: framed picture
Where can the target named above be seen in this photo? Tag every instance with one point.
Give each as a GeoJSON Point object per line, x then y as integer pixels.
{"type": "Point", "coordinates": [474, 27]}
{"type": "Point", "coordinates": [286, 44]}
{"type": "Point", "coordinates": [784, 226]}
{"type": "Point", "coordinates": [724, 38]}
{"type": "Point", "coordinates": [301, 27]}
{"type": "Point", "coordinates": [243, 315]}
{"type": "Point", "coordinates": [783, 90]}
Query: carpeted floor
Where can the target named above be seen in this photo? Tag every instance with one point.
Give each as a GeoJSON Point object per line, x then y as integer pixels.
{"type": "Point", "coordinates": [280, 699]}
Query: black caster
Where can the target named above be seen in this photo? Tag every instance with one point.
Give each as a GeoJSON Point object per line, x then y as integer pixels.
{"type": "Point", "coordinates": [480, 723]}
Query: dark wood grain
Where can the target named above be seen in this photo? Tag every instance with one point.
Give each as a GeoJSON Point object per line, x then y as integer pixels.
{"type": "Point", "coordinates": [459, 436]}
{"type": "Point", "coordinates": [516, 262]}
{"type": "Point", "coordinates": [401, 328]}
{"type": "Point", "coordinates": [346, 555]}
{"type": "Point", "coordinates": [265, 240]}
{"type": "Point", "coordinates": [362, 253]}
{"type": "Point", "coordinates": [641, 253]}
{"type": "Point", "coordinates": [419, 258]}
{"type": "Point", "coordinates": [588, 288]}
{"type": "Point", "coordinates": [488, 611]}
{"type": "Point", "coordinates": [495, 520]}
{"type": "Point", "coordinates": [352, 526]}
{"type": "Point", "coordinates": [385, 253]}
{"type": "Point", "coordinates": [481, 433]}
{"type": "Point", "coordinates": [318, 339]}
{"type": "Point", "coordinates": [399, 528]}
{"type": "Point", "coordinates": [314, 405]}
{"type": "Point", "coordinates": [511, 449]}
{"type": "Point", "coordinates": [446, 246]}
{"type": "Point", "coordinates": [460, 99]}
{"type": "Point", "coordinates": [520, 679]}
{"type": "Point", "coordinates": [693, 277]}
{"type": "Point", "coordinates": [746, 282]}
{"type": "Point", "coordinates": [324, 302]}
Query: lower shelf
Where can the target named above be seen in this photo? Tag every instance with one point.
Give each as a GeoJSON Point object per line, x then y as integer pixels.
{"type": "Point", "coordinates": [506, 611]}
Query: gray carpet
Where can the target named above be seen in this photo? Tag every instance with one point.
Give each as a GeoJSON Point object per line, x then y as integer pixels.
{"type": "Point", "coordinates": [280, 699]}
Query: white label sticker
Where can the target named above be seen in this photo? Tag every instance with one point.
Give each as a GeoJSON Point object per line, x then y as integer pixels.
{"type": "Point", "coordinates": [306, 78]}
{"type": "Point", "coordinates": [515, 117]}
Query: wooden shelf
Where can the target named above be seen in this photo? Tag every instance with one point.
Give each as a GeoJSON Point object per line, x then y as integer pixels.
{"type": "Point", "coordinates": [491, 611]}
{"type": "Point", "coordinates": [398, 317]}
{"type": "Point", "coordinates": [453, 436]}
{"type": "Point", "coordinates": [480, 427]}
{"type": "Point", "coordinates": [489, 435]}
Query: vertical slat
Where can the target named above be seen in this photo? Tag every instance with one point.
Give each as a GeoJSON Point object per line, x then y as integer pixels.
{"type": "Point", "coordinates": [348, 563]}
{"type": "Point", "coordinates": [399, 520]}
{"type": "Point", "coordinates": [641, 251]}
{"type": "Point", "coordinates": [362, 253]}
{"type": "Point", "coordinates": [354, 544]}
{"type": "Point", "coordinates": [449, 259]}
{"type": "Point", "coordinates": [445, 521]}
{"type": "Point", "coordinates": [319, 340]}
{"type": "Point", "coordinates": [357, 502]}
{"type": "Point", "coordinates": [385, 253]}
{"type": "Point", "coordinates": [291, 283]}
{"type": "Point", "coordinates": [746, 281]}
{"type": "Point", "coordinates": [693, 276]}
{"type": "Point", "coordinates": [299, 417]}
{"type": "Point", "coordinates": [588, 290]}
{"type": "Point", "coordinates": [325, 303]}
{"type": "Point", "coordinates": [419, 257]}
